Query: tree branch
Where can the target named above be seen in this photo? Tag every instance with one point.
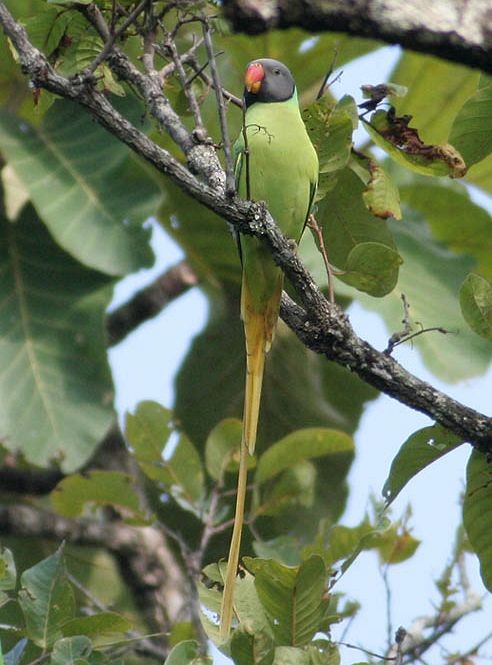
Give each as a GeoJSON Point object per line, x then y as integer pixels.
{"type": "Point", "coordinates": [451, 29]}
{"type": "Point", "coordinates": [149, 301]}
{"type": "Point", "coordinates": [321, 326]}
{"type": "Point", "coordinates": [143, 555]}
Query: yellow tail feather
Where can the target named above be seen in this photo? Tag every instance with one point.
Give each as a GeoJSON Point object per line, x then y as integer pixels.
{"type": "Point", "coordinates": [259, 328]}
{"type": "Point", "coordinates": [233, 560]}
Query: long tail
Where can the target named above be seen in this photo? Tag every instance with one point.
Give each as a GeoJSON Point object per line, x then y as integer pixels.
{"type": "Point", "coordinates": [233, 560]}
{"type": "Point", "coordinates": [259, 330]}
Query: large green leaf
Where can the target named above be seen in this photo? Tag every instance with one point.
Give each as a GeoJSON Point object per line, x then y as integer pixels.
{"type": "Point", "coordinates": [455, 220]}
{"type": "Point", "coordinates": [251, 648]}
{"type": "Point", "coordinates": [249, 610]}
{"type": "Point", "coordinates": [471, 132]}
{"type": "Point", "coordinates": [46, 599]}
{"type": "Point", "coordinates": [353, 237]}
{"type": "Point", "coordinates": [187, 653]}
{"type": "Point", "coordinates": [71, 651]}
{"type": "Point", "coordinates": [291, 596]}
{"type": "Point", "coordinates": [222, 447]}
{"type": "Point", "coordinates": [330, 130]}
{"type": "Point", "coordinates": [98, 625]}
{"type": "Point", "coordinates": [477, 512]}
{"type": "Point", "coordinates": [55, 388]}
{"type": "Point", "coordinates": [430, 278]}
{"type": "Point", "coordinates": [476, 304]}
{"type": "Point", "coordinates": [86, 189]}
{"type": "Point", "coordinates": [437, 90]}
{"type": "Point", "coordinates": [181, 473]}
{"type": "Point", "coordinates": [299, 446]}
{"type": "Point", "coordinates": [421, 449]}
{"type": "Point", "coordinates": [98, 487]}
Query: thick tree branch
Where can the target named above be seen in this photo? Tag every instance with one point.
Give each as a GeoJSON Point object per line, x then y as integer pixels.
{"type": "Point", "coordinates": [149, 301]}
{"type": "Point", "coordinates": [456, 30]}
{"type": "Point", "coordinates": [319, 324]}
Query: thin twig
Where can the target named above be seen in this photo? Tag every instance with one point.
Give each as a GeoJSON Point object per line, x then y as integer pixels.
{"type": "Point", "coordinates": [188, 58]}
{"type": "Point", "coordinates": [387, 589]}
{"type": "Point", "coordinates": [229, 166]}
{"type": "Point", "coordinates": [199, 72]}
{"type": "Point", "coordinates": [318, 234]}
{"type": "Point", "coordinates": [113, 36]}
{"type": "Point", "coordinates": [366, 651]}
{"type": "Point", "coordinates": [325, 83]}
{"type": "Point", "coordinates": [187, 88]}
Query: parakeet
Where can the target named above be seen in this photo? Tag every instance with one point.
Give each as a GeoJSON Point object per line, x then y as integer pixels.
{"type": "Point", "coordinates": [275, 163]}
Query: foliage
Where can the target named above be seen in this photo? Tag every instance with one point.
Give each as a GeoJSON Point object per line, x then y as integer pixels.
{"type": "Point", "coordinates": [74, 211]}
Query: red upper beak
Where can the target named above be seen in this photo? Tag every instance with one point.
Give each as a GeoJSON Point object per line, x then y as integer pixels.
{"type": "Point", "coordinates": [254, 76]}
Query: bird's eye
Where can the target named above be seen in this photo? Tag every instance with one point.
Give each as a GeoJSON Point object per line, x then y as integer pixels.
{"type": "Point", "coordinates": [276, 71]}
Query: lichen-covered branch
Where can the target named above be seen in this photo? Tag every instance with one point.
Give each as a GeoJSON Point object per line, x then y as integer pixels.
{"type": "Point", "coordinates": [320, 325]}
{"type": "Point", "coordinates": [457, 30]}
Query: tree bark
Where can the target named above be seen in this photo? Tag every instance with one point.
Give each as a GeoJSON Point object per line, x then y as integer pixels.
{"type": "Point", "coordinates": [456, 30]}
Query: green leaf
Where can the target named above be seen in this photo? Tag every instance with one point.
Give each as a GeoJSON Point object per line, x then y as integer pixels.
{"type": "Point", "coordinates": [292, 597]}
{"type": "Point", "coordinates": [381, 196]}
{"type": "Point", "coordinates": [251, 648]}
{"type": "Point", "coordinates": [8, 572]}
{"type": "Point", "coordinates": [148, 431]}
{"type": "Point", "coordinates": [346, 223]}
{"type": "Point", "coordinates": [295, 487]}
{"type": "Point", "coordinates": [476, 304]}
{"type": "Point", "coordinates": [283, 548]}
{"type": "Point", "coordinates": [98, 487]}
{"type": "Point", "coordinates": [299, 446]}
{"type": "Point", "coordinates": [96, 204]}
{"type": "Point", "coordinates": [248, 608]}
{"type": "Point", "coordinates": [477, 512]}
{"type": "Point", "coordinates": [444, 208]}
{"type": "Point", "coordinates": [46, 599]}
{"type": "Point", "coordinates": [182, 474]}
{"type": "Point", "coordinates": [330, 129]}
{"type": "Point", "coordinates": [291, 656]}
{"type": "Point", "coordinates": [222, 447]}
{"type": "Point", "coordinates": [404, 145]}
{"type": "Point", "coordinates": [396, 545]}
{"type": "Point", "coordinates": [323, 653]}
{"type": "Point", "coordinates": [53, 349]}
{"type": "Point", "coordinates": [471, 132]}
{"type": "Point", "coordinates": [187, 653]}
{"type": "Point", "coordinates": [46, 29]}
{"type": "Point", "coordinates": [373, 268]}
{"type": "Point", "coordinates": [430, 278]}
{"type": "Point", "coordinates": [343, 541]}
{"type": "Point", "coordinates": [97, 625]}
{"type": "Point", "coordinates": [423, 447]}
{"type": "Point", "coordinates": [71, 651]}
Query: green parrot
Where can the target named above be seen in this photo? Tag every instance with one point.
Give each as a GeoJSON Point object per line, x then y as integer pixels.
{"type": "Point", "coordinates": [275, 163]}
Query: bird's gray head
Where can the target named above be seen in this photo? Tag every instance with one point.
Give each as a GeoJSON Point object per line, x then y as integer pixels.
{"type": "Point", "coordinates": [267, 80]}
